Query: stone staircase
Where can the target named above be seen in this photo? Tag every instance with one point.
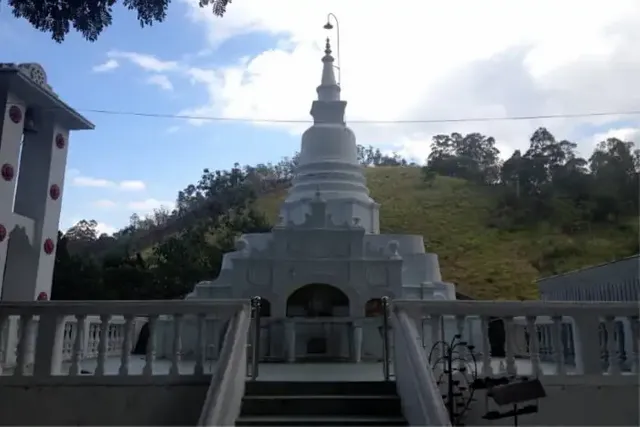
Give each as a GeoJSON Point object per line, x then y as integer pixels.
{"type": "Point", "coordinates": [374, 403]}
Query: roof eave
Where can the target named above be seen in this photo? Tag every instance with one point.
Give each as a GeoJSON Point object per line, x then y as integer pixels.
{"type": "Point", "coordinates": [26, 88]}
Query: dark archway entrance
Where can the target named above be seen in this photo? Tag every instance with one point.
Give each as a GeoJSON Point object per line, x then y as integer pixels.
{"type": "Point", "coordinates": [317, 338]}
{"type": "Point", "coordinates": [318, 300]}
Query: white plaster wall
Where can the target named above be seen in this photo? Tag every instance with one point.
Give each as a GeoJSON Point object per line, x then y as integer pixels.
{"type": "Point", "coordinates": [582, 401]}
{"type": "Point", "coordinates": [132, 405]}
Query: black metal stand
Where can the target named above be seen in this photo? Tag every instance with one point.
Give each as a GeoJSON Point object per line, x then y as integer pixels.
{"type": "Point", "coordinates": [512, 391]}
{"type": "Point", "coordinates": [457, 357]}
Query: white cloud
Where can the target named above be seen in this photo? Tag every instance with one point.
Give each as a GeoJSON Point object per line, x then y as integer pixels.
{"type": "Point", "coordinates": [133, 185]}
{"type": "Point", "coordinates": [79, 180]}
{"type": "Point", "coordinates": [161, 81]}
{"type": "Point", "coordinates": [104, 204]}
{"type": "Point", "coordinates": [108, 65]}
{"type": "Point", "coordinates": [434, 60]}
{"type": "Point", "coordinates": [145, 61]}
{"type": "Point", "coordinates": [625, 134]}
{"type": "Point", "coordinates": [148, 205]}
{"type": "Point", "coordinates": [87, 181]}
{"type": "Point", "coordinates": [105, 228]}
{"type": "Point", "coordinates": [173, 129]}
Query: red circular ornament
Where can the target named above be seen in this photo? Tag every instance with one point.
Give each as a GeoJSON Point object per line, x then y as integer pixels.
{"type": "Point", "coordinates": [60, 142]}
{"type": "Point", "coordinates": [3, 232]}
{"type": "Point", "coordinates": [48, 246]}
{"type": "Point", "coordinates": [7, 172]}
{"type": "Point", "coordinates": [42, 296]}
{"type": "Point", "coordinates": [54, 192]}
{"type": "Point", "coordinates": [15, 114]}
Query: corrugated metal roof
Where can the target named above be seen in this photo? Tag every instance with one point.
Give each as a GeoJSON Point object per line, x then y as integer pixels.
{"type": "Point", "coordinates": [631, 258]}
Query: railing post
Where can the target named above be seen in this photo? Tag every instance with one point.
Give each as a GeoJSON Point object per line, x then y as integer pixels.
{"type": "Point", "coordinates": [385, 337]}
{"type": "Point", "coordinates": [48, 352]}
{"type": "Point", "coordinates": [255, 337]}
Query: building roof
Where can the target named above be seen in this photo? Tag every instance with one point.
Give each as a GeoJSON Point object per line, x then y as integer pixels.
{"type": "Point", "coordinates": [626, 262]}
{"type": "Point", "coordinates": [29, 82]}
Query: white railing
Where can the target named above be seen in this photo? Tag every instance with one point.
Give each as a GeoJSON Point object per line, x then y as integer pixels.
{"type": "Point", "coordinates": [532, 326]}
{"type": "Point", "coordinates": [224, 397]}
{"type": "Point", "coordinates": [422, 402]}
{"type": "Point", "coordinates": [47, 334]}
{"type": "Point", "coordinates": [11, 331]}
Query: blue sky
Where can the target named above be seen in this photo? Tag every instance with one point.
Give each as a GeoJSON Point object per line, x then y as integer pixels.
{"type": "Point", "coordinates": [154, 157]}
{"type": "Point", "coordinates": [262, 61]}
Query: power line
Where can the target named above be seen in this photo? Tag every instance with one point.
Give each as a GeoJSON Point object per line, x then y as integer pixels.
{"type": "Point", "coordinates": [417, 121]}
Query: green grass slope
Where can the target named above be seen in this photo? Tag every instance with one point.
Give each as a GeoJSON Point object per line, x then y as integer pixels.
{"type": "Point", "coordinates": [484, 262]}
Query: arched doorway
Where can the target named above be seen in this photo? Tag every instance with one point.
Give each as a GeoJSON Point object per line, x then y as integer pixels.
{"type": "Point", "coordinates": [373, 307]}
{"type": "Point", "coordinates": [318, 300]}
{"type": "Point", "coordinates": [266, 329]}
{"type": "Point", "coordinates": [318, 335]}
{"type": "Point", "coordinates": [265, 307]}
{"type": "Point", "coordinates": [373, 330]}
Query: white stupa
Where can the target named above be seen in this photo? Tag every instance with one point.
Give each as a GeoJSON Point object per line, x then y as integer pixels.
{"type": "Point", "coordinates": [326, 257]}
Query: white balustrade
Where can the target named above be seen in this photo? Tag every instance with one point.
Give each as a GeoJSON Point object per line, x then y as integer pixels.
{"type": "Point", "coordinates": [556, 338]}
{"type": "Point", "coordinates": [52, 338]}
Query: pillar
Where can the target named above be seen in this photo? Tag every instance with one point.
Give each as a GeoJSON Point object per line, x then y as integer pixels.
{"type": "Point", "coordinates": [38, 196]}
{"type": "Point", "coordinates": [11, 127]}
{"type": "Point", "coordinates": [356, 334]}
{"type": "Point", "coordinates": [290, 340]}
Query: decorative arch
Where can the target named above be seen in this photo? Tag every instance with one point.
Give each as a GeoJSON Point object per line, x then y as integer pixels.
{"type": "Point", "coordinates": [317, 300]}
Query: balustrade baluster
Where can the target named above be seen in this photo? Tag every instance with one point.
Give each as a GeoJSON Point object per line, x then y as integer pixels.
{"type": "Point", "coordinates": [487, 369]}
{"type": "Point", "coordinates": [151, 346]}
{"type": "Point", "coordinates": [534, 346]}
{"type": "Point", "coordinates": [125, 354]}
{"type": "Point", "coordinates": [5, 330]}
{"type": "Point", "coordinates": [436, 347]}
{"type": "Point", "coordinates": [462, 350]}
{"type": "Point", "coordinates": [23, 344]}
{"type": "Point", "coordinates": [612, 350]}
{"type": "Point", "coordinates": [634, 324]}
{"type": "Point", "coordinates": [557, 347]}
{"type": "Point", "coordinates": [102, 345]}
{"type": "Point", "coordinates": [78, 341]}
{"type": "Point", "coordinates": [177, 345]}
{"type": "Point", "coordinates": [200, 345]}
{"type": "Point", "coordinates": [509, 343]}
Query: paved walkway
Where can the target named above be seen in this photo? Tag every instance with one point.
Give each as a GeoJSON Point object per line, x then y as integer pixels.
{"type": "Point", "coordinates": [365, 371]}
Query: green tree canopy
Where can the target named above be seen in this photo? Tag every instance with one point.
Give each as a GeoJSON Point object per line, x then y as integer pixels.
{"type": "Point", "coordinates": [91, 17]}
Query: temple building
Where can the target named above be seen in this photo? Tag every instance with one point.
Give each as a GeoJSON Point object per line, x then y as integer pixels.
{"type": "Point", "coordinates": [34, 142]}
{"type": "Point", "coordinates": [326, 265]}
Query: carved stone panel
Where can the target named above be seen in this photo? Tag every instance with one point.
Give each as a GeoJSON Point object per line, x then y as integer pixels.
{"type": "Point", "coordinates": [259, 273]}
{"type": "Point", "coordinates": [376, 275]}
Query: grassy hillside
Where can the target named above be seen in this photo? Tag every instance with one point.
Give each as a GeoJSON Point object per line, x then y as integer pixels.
{"type": "Point", "coordinates": [484, 262]}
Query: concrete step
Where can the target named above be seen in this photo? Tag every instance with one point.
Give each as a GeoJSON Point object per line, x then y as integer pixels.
{"type": "Point", "coordinates": [332, 388]}
{"type": "Point", "coordinates": [317, 421]}
{"type": "Point", "coordinates": [318, 405]}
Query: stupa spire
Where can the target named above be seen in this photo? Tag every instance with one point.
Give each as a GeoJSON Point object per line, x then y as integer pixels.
{"type": "Point", "coordinates": [328, 89]}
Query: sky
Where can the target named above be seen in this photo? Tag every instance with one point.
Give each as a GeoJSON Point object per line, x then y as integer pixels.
{"type": "Point", "coordinates": [415, 60]}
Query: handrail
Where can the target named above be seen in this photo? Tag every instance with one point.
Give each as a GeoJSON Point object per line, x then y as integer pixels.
{"type": "Point", "coordinates": [422, 402]}
{"type": "Point", "coordinates": [255, 336]}
{"type": "Point", "coordinates": [517, 308]}
{"type": "Point", "coordinates": [130, 307]}
{"type": "Point", "coordinates": [385, 338]}
{"type": "Point", "coordinates": [222, 403]}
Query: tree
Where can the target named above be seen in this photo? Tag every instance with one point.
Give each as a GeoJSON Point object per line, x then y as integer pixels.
{"type": "Point", "coordinates": [91, 17]}
{"type": "Point", "coordinates": [473, 157]}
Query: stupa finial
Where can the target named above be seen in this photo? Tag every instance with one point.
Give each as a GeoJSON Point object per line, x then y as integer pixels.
{"type": "Point", "coordinates": [328, 89]}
